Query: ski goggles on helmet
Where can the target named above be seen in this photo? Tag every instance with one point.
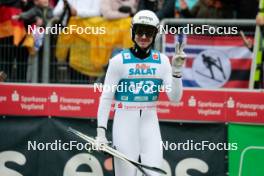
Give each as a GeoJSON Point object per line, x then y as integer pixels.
{"type": "Point", "coordinates": [148, 31]}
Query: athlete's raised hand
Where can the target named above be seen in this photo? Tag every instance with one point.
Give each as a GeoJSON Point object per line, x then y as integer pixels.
{"type": "Point", "coordinates": [178, 59]}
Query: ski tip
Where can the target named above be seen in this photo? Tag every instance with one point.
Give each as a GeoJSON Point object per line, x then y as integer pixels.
{"type": "Point", "coordinates": [161, 171]}
{"type": "Point", "coordinates": [70, 129]}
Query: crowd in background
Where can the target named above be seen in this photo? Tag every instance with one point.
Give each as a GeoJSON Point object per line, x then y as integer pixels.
{"type": "Point", "coordinates": [39, 12]}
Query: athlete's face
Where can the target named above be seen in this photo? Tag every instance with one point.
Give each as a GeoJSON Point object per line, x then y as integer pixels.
{"type": "Point", "coordinates": [144, 36]}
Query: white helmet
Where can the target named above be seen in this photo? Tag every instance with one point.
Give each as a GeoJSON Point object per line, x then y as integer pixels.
{"type": "Point", "coordinates": [146, 17]}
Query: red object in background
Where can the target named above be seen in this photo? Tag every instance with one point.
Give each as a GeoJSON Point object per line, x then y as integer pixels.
{"type": "Point", "coordinates": [9, 27]}
{"type": "Point", "coordinates": [82, 102]}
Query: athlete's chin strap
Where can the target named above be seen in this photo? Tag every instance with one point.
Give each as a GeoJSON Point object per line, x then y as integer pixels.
{"type": "Point", "coordinates": [140, 53]}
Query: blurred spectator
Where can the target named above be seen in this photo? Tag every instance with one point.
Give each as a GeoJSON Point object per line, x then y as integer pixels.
{"type": "Point", "coordinates": [117, 14]}
{"type": "Point", "coordinates": [162, 8]}
{"type": "Point", "coordinates": [207, 9]}
{"type": "Point", "coordinates": [80, 62]}
{"type": "Point", "coordinates": [13, 53]}
{"type": "Point", "coordinates": [115, 9]}
{"type": "Point", "coordinates": [246, 9]}
{"type": "Point", "coordinates": [2, 76]}
{"type": "Point", "coordinates": [259, 73]}
{"type": "Point", "coordinates": [53, 3]}
{"type": "Point", "coordinates": [41, 13]}
{"type": "Point", "coordinates": [248, 42]}
{"type": "Point", "coordinates": [190, 4]}
{"type": "Point", "coordinates": [26, 4]}
{"type": "Point", "coordinates": [8, 27]}
{"type": "Point", "coordinates": [81, 8]}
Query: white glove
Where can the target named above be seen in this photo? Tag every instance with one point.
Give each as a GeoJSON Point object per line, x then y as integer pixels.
{"type": "Point", "coordinates": [100, 139]}
{"type": "Point", "coordinates": [178, 60]}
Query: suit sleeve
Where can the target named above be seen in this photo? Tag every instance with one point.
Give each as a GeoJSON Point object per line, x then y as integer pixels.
{"type": "Point", "coordinates": [175, 84]}
{"type": "Point", "coordinates": [112, 78]}
{"type": "Point", "coordinates": [32, 13]}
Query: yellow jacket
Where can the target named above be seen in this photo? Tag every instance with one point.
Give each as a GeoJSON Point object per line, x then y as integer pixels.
{"type": "Point", "coordinates": [90, 52]}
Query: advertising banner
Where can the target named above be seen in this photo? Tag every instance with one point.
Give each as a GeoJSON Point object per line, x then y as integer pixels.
{"type": "Point", "coordinates": [195, 149]}
{"type": "Point", "coordinates": [249, 158]}
{"type": "Point", "coordinates": [82, 102]}
{"type": "Point", "coordinates": [43, 146]}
